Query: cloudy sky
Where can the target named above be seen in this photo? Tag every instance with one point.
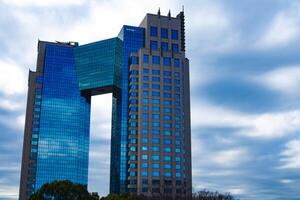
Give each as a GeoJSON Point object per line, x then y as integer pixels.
{"type": "Point", "coordinates": [245, 77]}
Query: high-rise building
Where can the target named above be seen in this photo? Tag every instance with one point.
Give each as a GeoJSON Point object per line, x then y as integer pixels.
{"type": "Point", "coordinates": [146, 70]}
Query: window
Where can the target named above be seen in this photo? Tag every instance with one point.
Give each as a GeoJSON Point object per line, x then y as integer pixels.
{"type": "Point", "coordinates": [168, 142]}
{"type": "Point", "coordinates": [144, 165]}
{"type": "Point", "coordinates": [155, 60]}
{"type": "Point", "coordinates": [167, 125]}
{"type": "Point", "coordinates": [156, 86]}
{"type": "Point", "coordinates": [155, 101]}
{"type": "Point", "coordinates": [144, 157]}
{"type": "Point", "coordinates": [167, 149]}
{"type": "Point", "coordinates": [145, 85]}
{"type": "Point", "coordinates": [155, 79]}
{"type": "Point", "coordinates": [168, 133]}
{"type": "Point", "coordinates": [145, 78]}
{"type": "Point", "coordinates": [155, 132]}
{"type": "Point", "coordinates": [145, 93]}
{"type": "Point", "coordinates": [144, 173]}
{"type": "Point", "coordinates": [155, 140]}
{"type": "Point", "coordinates": [176, 74]}
{"type": "Point", "coordinates": [39, 79]}
{"type": "Point", "coordinates": [178, 174]}
{"type": "Point", "coordinates": [145, 140]}
{"type": "Point", "coordinates": [155, 148]}
{"type": "Point", "coordinates": [145, 58]}
{"type": "Point", "coordinates": [155, 166]}
{"type": "Point", "coordinates": [144, 131]}
{"type": "Point", "coordinates": [176, 62]}
{"type": "Point", "coordinates": [155, 109]}
{"type": "Point", "coordinates": [167, 80]}
{"type": "Point", "coordinates": [167, 110]}
{"type": "Point", "coordinates": [155, 158]}
{"type": "Point", "coordinates": [133, 140]}
{"type": "Point", "coordinates": [167, 87]}
{"type": "Point", "coordinates": [155, 72]}
{"type": "Point", "coordinates": [177, 167]}
{"type": "Point", "coordinates": [145, 108]}
{"type": "Point", "coordinates": [164, 46]}
{"type": "Point", "coordinates": [167, 61]}
{"type": "Point", "coordinates": [144, 115]}
{"type": "Point", "coordinates": [133, 157]}
{"type": "Point", "coordinates": [145, 71]}
{"type": "Point", "coordinates": [155, 124]}
{"type": "Point", "coordinates": [155, 94]}
{"type": "Point", "coordinates": [132, 148]}
{"type": "Point", "coordinates": [174, 34]}
{"type": "Point", "coordinates": [132, 116]}
{"type": "Point", "coordinates": [167, 102]}
{"type": "Point", "coordinates": [164, 33]}
{"type": "Point", "coordinates": [153, 45]}
{"type": "Point", "coordinates": [134, 60]}
{"type": "Point", "coordinates": [155, 116]}
{"type": "Point", "coordinates": [155, 174]}
{"type": "Point", "coordinates": [175, 48]}
{"type": "Point", "coordinates": [144, 123]}
{"type": "Point", "coordinates": [177, 159]}
{"type": "Point", "coordinates": [132, 174]}
{"type": "Point", "coordinates": [144, 148]}
{"type": "Point", "coordinates": [167, 73]}
{"type": "Point", "coordinates": [145, 100]}
{"type": "Point", "coordinates": [167, 158]}
{"type": "Point", "coordinates": [168, 174]}
{"type": "Point", "coordinates": [153, 31]}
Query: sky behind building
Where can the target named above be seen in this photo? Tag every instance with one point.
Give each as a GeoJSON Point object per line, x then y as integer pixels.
{"type": "Point", "coordinates": [245, 77]}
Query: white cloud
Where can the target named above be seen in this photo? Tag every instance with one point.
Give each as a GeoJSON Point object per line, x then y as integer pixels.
{"type": "Point", "coordinates": [43, 3]}
{"type": "Point", "coordinates": [286, 181]}
{"type": "Point", "coordinates": [12, 79]}
{"type": "Point", "coordinates": [230, 157]}
{"type": "Point", "coordinates": [9, 192]}
{"type": "Point", "coordinates": [210, 26]}
{"type": "Point", "coordinates": [290, 156]}
{"type": "Point", "coordinates": [285, 79]}
{"type": "Point", "coordinates": [283, 29]}
{"type": "Point", "coordinates": [260, 126]}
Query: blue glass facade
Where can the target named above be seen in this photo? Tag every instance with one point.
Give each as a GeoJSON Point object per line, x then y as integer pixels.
{"type": "Point", "coordinates": [63, 140]}
{"type": "Point", "coordinates": [133, 39]}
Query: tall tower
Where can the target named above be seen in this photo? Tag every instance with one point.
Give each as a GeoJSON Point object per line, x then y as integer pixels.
{"type": "Point", "coordinates": [159, 111]}
{"type": "Point", "coordinates": [146, 70]}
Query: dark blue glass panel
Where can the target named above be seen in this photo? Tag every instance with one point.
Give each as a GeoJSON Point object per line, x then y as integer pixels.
{"type": "Point", "coordinates": [174, 34]}
{"type": "Point", "coordinates": [153, 31]}
{"type": "Point", "coordinates": [164, 33]}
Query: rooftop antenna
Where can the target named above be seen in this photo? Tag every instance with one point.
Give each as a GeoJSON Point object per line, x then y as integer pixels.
{"type": "Point", "coordinates": [169, 14]}
{"type": "Point", "coordinates": [158, 12]}
{"type": "Point", "coordinates": [182, 8]}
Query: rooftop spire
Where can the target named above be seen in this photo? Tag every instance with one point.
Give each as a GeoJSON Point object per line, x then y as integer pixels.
{"type": "Point", "coordinates": [169, 14]}
{"type": "Point", "coordinates": [158, 12]}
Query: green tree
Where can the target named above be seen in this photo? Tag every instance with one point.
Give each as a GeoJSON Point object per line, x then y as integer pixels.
{"type": "Point", "coordinates": [63, 190]}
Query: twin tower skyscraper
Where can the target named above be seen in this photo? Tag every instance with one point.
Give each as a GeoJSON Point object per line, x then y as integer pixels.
{"type": "Point", "coordinates": [146, 70]}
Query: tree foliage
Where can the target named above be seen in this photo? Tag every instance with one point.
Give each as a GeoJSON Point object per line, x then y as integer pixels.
{"type": "Point", "coordinates": [66, 190]}
{"type": "Point", "coordinates": [63, 190]}
{"type": "Point", "coordinates": [207, 195]}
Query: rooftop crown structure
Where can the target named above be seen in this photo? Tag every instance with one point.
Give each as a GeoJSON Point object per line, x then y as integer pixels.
{"type": "Point", "coordinates": [146, 70]}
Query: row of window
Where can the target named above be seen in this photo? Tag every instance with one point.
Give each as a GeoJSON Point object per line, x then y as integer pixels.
{"type": "Point", "coordinates": [154, 174]}
{"type": "Point", "coordinates": [154, 141]}
{"type": "Point", "coordinates": [167, 61]}
{"type": "Point", "coordinates": [164, 46]}
{"type": "Point", "coordinates": [164, 33]}
{"type": "Point", "coordinates": [156, 132]}
{"type": "Point", "coordinates": [155, 72]}
{"type": "Point", "coordinates": [155, 166]}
